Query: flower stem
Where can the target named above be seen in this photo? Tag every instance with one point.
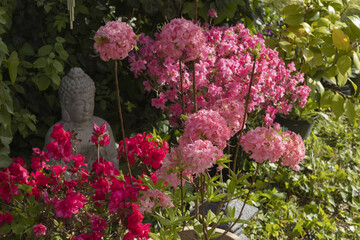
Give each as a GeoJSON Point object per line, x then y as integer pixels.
{"type": "Point", "coordinates": [202, 188]}
{"type": "Point", "coordinates": [245, 114]}
{"type": "Point", "coordinates": [195, 11]}
{"type": "Point", "coordinates": [194, 88]}
{"type": "Point", "coordinates": [182, 195]}
{"type": "Point", "coordinates": [181, 88]}
{"type": "Point", "coordinates": [121, 121]}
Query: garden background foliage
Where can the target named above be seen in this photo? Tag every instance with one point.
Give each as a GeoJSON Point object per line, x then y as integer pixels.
{"type": "Point", "coordinates": [37, 48]}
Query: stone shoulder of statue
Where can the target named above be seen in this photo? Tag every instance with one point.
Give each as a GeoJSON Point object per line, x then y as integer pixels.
{"type": "Point", "coordinates": [77, 94]}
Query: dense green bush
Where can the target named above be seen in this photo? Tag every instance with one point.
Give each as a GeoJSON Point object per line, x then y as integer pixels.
{"type": "Point", "coordinates": [321, 200]}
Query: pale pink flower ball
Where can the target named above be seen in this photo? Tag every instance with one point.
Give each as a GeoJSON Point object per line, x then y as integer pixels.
{"type": "Point", "coordinates": [206, 125]}
{"type": "Point", "coordinates": [200, 155]}
{"type": "Point", "coordinates": [294, 150]}
{"type": "Point", "coordinates": [154, 197]}
{"type": "Point", "coordinates": [114, 40]}
{"type": "Point", "coordinates": [182, 38]}
{"type": "Point", "coordinates": [233, 111]}
{"type": "Point", "coordinates": [263, 144]}
{"type": "Point", "coordinates": [39, 230]}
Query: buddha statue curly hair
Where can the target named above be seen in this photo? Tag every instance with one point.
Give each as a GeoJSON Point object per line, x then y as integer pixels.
{"type": "Point", "coordinates": [75, 83]}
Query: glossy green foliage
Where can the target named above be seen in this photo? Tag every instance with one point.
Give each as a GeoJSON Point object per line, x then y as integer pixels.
{"type": "Point", "coordinates": [322, 39]}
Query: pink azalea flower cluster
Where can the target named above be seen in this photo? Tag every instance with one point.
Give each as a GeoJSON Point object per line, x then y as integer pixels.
{"type": "Point", "coordinates": [233, 111]}
{"type": "Point", "coordinates": [152, 198]}
{"type": "Point", "coordinates": [182, 39]}
{"type": "Point", "coordinates": [222, 71]}
{"type": "Point", "coordinates": [294, 150]}
{"type": "Point", "coordinates": [144, 148]}
{"type": "Point", "coordinates": [267, 144]}
{"type": "Point", "coordinates": [207, 124]}
{"type": "Point", "coordinates": [100, 135]}
{"type": "Point", "coordinates": [114, 40]}
{"type": "Point", "coordinates": [205, 135]}
{"type": "Point", "coordinates": [70, 192]}
{"type": "Point", "coordinates": [39, 230]}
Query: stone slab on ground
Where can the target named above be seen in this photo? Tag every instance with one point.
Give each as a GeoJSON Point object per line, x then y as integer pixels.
{"type": "Point", "coordinates": [248, 212]}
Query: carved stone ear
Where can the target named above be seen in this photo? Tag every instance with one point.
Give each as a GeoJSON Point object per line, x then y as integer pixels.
{"type": "Point", "coordinates": [64, 114]}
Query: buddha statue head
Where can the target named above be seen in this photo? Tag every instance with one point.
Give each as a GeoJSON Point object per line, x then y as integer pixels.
{"type": "Point", "coordinates": [77, 93]}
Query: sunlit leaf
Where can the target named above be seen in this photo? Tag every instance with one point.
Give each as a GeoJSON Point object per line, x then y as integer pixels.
{"type": "Point", "coordinates": [340, 39]}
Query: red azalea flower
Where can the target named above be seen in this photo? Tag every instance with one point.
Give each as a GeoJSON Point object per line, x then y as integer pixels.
{"type": "Point", "coordinates": [97, 224]}
{"type": "Point", "coordinates": [100, 135]}
{"type": "Point", "coordinates": [60, 135]}
{"type": "Point", "coordinates": [39, 230]}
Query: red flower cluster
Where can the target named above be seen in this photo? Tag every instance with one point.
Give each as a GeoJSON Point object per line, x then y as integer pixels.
{"type": "Point", "coordinates": [61, 147]}
{"type": "Point", "coordinates": [144, 148]}
{"type": "Point", "coordinates": [100, 136]}
{"type": "Point", "coordinates": [7, 217]}
{"type": "Point", "coordinates": [62, 192]}
{"type": "Point", "coordinates": [70, 205]}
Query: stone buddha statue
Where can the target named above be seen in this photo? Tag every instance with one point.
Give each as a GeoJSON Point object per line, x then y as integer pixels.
{"type": "Point", "coordinates": [77, 95]}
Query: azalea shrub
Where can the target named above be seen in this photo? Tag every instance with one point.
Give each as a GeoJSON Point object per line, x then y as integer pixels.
{"type": "Point", "coordinates": [67, 201]}
{"type": "Point", "coordinates": [212, 82]}
{"type": "Point", "coordinates": [225, 58]}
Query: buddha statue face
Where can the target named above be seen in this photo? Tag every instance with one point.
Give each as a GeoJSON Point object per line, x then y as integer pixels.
{"type": "Point", "coordinates": [81, 108]}
{"type": "Point", "coordinates": [77, 93]}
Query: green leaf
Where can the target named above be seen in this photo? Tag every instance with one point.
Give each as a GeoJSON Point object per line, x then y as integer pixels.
{"type": "Point", "coordinates": [45, 50]}
{"type": "Point", "coordinates": [337, 105]}
{"type": "Point", "coordinates": [217, 197]}
{"type": "Point", "coordinates": [154, 236]}
{"type": "Point", "coordinates": [42, 82]}
{"type": "Point", "coordinates": [56, 79]}
{"type": "Point", "coordinates": [323, 22]}
{"type": "Point", "coordinates": [5, 161]}
{"type": "Point", "coordinates": [286, 46]}
{"type": "Point", "coordinates": [294, 9]}
{"type": "Point", "coordinates": [5, 98]}
{"type": "Point", "coordinates": [27, 50]}
{"type": "Point", "coordinates": [356, 59]}
{"type": "Point", "coordinates": [326, 98]}
{"type": "Point", "coordinates": [342, 79]}
{"type": "Point", "coordinates": [60, 40]}
{"type": "Point", "coordinates": [298, 228]}
{"type": "Point", "coordinates": [61, 51]}
{"type": "Point", "coordinates": [355, 20]}
{"type": "Point", "coordinates": [329, 51]}
{"type": "Point", "coordinates": [308, 54]}
{"type": "Point", "coordinates": [340, 39]}
{"type": "Point", "coordinates": [18, 227]}
{"type": "Point", "coordinates": [343, 64]}
{"type": "Point", "coordinates": [5, 118]}
{"type": "Point", "coordinates": [41, 62]}
{"type": "Point", "coordinates": [350, 110]}
{"type": "Point", "coordinates": [3, 47]}
{"type": "Point", "coordinates": [294, 20]}
{"type": "Point", "coordinates": [83, 9]}
{"type": "Point", "coordinates": [331, 10]}
{"type": "Point", "coordinates": [58, 66]}
{"type": "Point", "coordinates": [13, 63]}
